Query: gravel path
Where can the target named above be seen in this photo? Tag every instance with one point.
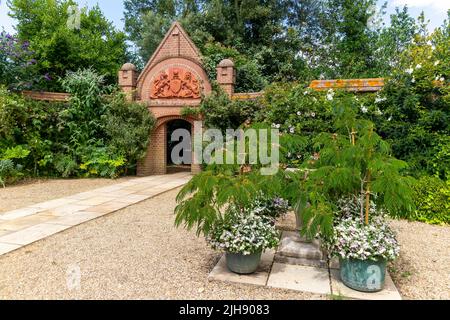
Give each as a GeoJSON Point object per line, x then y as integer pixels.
{"type": "Point", "coordinates": [35, 191]}
{"type": "Point", "coordinates": [423, 269]}
{"type": "Point", "coordinates": [136, 253]}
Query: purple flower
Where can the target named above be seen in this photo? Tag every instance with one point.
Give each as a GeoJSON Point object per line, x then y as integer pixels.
{"type": "Point", "coordinates": [47, 77]}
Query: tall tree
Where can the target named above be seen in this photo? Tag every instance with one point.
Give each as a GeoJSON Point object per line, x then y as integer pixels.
{"type": "Point", "coordinates": [394, 40]}
{"type": "Point", "coordinates": [61, 45]}
{"type": "Point", "coordinates": [281, 40]}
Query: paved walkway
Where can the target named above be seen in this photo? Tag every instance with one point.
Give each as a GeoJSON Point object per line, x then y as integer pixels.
{"type": "Point", "coordinates": [21, 227]}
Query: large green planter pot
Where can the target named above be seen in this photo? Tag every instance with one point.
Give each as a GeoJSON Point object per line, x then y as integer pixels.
{"type": "Point", "coordinates": [243, 264]}
{"type": "Point", "coordinates": [363, 275]}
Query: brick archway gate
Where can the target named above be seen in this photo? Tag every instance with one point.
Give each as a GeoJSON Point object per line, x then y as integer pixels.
{"type": "Point", "coordinates": [156, 159]}
{"type": "Point", "coordinates": [172, 79]}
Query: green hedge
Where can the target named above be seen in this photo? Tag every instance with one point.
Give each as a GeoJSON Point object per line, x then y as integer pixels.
{"type": "Point", "coordinates": [432, 199]}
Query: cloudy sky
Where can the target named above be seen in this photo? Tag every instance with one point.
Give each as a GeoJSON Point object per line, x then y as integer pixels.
{"type": "Point", "coordinates": [435, 10]}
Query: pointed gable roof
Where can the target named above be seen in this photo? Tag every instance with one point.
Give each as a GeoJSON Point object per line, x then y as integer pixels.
{"type": "Point", "coordinates": [176, 43]}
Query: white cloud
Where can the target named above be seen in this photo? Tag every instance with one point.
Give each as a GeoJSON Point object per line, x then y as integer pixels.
{"type": "Point", "coordinates": [437, 4]}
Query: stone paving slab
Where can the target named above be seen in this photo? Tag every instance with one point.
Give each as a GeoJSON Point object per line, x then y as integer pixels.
{"type": "Point", "coordinates": [289, 268]}
{"type": "Point", "coordinates": [38, 221]}
{"type": "Point", "coordinates": [53, 204]}
{"type": "Point", "coordinates": [4, 232]}
{"type": "Point", "coordinates": [66, 210]}
{"type": "Point", "coordinates": [19, 213]}
{"type": "Point", "coordinates": [7, 247]}
{"type": "Point", "coordinates": [76, 219]}
{"type": "Point", "coordinates": [389, 292]}
{"type": "Point", "coordinates": [300, 278]}
{"type": "Point", "coordinates": [259, 278]}
{"type": "Point", "coordinates": [32, 234]}
{"type": "Point", "coordinates": [25, 222]}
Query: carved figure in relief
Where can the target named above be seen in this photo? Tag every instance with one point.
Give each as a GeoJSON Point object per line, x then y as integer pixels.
{"type": "Point", "coordinates": [161, 86]}
{"type": "Point", "coordinates": [190, 87]}
{"type": "Point", "coordinates": [175, 83]}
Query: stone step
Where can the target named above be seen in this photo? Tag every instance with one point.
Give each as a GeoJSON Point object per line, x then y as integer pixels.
{"type": "Point", "coordinates": [293, 246]}
{"type": "Point", "coordinates": [301, 261]}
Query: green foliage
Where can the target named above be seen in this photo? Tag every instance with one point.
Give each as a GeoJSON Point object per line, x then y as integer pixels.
{"type": "Point", "coordinates": [7, 170]}
{"type": "Point", "coordinates": [416, 102]}
{"type": "Point", "coordinates": [17, 70]}
{"type": "Point", "coordinates": [432, 199]}
{"type": "Point", "coordinates": [279, 40]}
{"type": "Point", "coordinates": [102, 164]}
{"type": "Point", "coordinates": [83, 117]}
{"type": "Point", "coordinates": [65, 165]}
{"type": "Point", "coordinates": [12, 114]}
{"type": "Point", "coordinates": [128, 127]}
{"type": "Point", "coordinates": [93, 134]}
{"type": "Point", "coordinates": [18, 152]}
{"type": "Point", "coordinates": [344, 169]}
{"type": "Point", "coordinates": [220, 112]}
{"type": "Point", "coordinates": [204, 199]}
{"type": "Point", "coordinates": [58, 49]}
{"type": "Point", "coordinates": [440, 160]}
{"type": "Point", "coordinates": [249, 76]}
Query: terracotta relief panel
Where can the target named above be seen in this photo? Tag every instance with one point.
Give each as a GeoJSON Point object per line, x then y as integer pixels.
{"type": "Point", "coordinates": [175, 83]}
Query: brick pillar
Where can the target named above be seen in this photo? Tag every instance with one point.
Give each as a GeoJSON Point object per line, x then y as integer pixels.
{"type": "Point", "coordinates": [127, 80]}
{"type": "Point", "coordinates": [226, 76]}
{"type": "Point", "coordinates": [154, 162]}
{"type": "Point", "coordinates": [197, 129]}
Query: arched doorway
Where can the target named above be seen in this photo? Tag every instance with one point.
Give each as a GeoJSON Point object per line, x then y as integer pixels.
{"type": "Point", "coordinates": [178, 146]}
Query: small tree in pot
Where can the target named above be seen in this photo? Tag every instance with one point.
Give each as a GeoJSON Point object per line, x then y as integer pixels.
{"type": "Point", "coordinates": [354, 162]}
{"type": "Point", "coordinates": [235, 211]}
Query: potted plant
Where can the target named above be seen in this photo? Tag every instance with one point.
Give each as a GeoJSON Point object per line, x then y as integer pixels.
{"type": "Point", "coordinates": [363, 250]}
{"type": "Point", "coordinates": [243, 236]}
{"type": "Point", "coordinates": [354, 162]}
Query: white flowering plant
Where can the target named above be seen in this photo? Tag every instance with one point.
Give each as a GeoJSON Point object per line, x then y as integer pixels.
{"type": "Point", "coordinates": [352, 239]}
{"type": "Point", "coordinates": [243, 232]}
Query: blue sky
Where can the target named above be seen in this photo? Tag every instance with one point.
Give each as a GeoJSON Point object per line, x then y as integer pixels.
{"type": "Point", "coordinates": [435, 10]}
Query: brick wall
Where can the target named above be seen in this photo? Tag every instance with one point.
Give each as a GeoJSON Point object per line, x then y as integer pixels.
{"type": "Point", "coordinates": [358, 85]}
{"type": "Point", "coordinates": [46, 96]}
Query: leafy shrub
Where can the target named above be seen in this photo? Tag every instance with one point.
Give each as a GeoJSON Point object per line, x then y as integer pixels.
{"type": "Point", "coordinates": [432, 199]}
{"type": "Point", "coordinates": [127, 127]}
{"type": "Point", "coordinates": [439, 163]}
{"type": "Point", "coordinates": [9, 171]}
{"type": "Point", "coordinates": [99, 162]}
{"type": "Point", "coordinates": [13, 114]}
{"type": "Point", "coordinates": [415, 102]}
{"type": "Point", "coordinates": [6, 170]}
{"type": "Point", "coordinates": [220, 112]}
{"type": "Point", "coordinates": [83, 115]}
{"type": "Point", "coordinates": [60, 137]}
{"type": "Point", "coordinates": [17, 65]}
{"type": "Point", "coordinates": [202, 200]}
{"type": "Point", "coordinates": [65, 165]}
{"type": "Point", "coordinates": [18, 152]}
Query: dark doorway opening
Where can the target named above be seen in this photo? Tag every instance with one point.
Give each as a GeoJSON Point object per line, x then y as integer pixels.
{"type": "Point", "coordinates": [181, 148]}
